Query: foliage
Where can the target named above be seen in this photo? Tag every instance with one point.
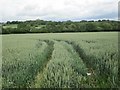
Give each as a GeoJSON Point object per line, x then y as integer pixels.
{"type": "Point", "coordinates": [40, 26]}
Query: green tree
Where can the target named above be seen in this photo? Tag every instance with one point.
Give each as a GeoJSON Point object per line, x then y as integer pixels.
{"type": "Point", "coordinates": [90, 27]}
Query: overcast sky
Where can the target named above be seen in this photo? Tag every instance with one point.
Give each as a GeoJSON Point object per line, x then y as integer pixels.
{"type": "Point", "coordinates": [58, 10]}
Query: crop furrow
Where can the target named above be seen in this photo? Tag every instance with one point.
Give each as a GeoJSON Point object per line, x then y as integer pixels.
{"type": "Point", "coordinates": [91, 72]}
{"type": "Point", "coordinates": [49, 51]}
{"type": "Point", "coordinates": [96, 67]}
{"type": "Point", "coordinates": [65, 69]}
{"type": "Point", "coordinates": [43, 65]}
{"type": "Point", "coordinates": [24, 66]}
{"type": "Point", "coordinates": [79, 51]}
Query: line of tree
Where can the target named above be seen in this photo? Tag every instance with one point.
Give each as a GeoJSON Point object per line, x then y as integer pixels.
{"type": "Point", "coordinates": [40, 26]}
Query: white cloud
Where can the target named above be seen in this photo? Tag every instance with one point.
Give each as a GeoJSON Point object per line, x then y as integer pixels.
{"type": "Point", "coordinates": [58, 9]}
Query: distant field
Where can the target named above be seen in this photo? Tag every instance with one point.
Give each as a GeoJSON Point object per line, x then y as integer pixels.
{"type": "Point", "coordinates": [10, 26]}
{"type": "Point", "coordinates": [85, 60]}
{"type": "Point", "coordinates": [15, 26]}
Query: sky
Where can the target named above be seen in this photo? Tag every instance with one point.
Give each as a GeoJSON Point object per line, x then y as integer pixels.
{"type": "Point", "coordinates": [58, 10]}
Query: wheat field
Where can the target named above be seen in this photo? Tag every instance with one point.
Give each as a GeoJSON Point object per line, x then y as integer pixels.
{"type": "Point", "coordinates": [60, 60]}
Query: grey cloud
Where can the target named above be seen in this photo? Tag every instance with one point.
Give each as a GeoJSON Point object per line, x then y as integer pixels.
{"type": "Point", "coordinates": [58, 9]}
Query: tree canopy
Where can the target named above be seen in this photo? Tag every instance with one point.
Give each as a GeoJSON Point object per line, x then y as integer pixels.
{"type": "Point", "coordinates": [41, 26]}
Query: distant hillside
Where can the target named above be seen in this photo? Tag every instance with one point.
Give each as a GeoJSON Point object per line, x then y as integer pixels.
{"type": "Point", "coordinates": [40, 26]}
